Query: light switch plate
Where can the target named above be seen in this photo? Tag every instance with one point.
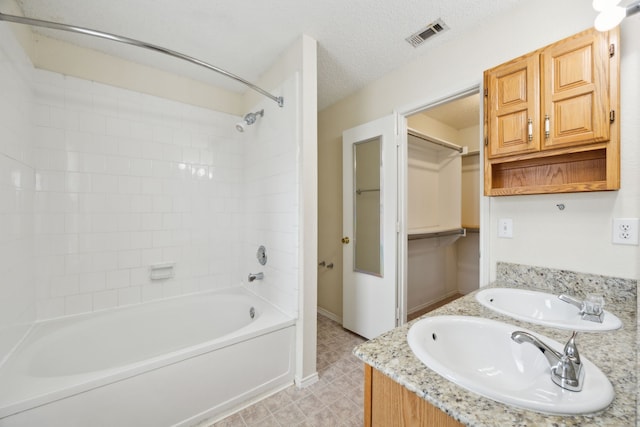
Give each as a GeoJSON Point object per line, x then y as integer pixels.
{"type": "Point", "coordinates": [505, 228]}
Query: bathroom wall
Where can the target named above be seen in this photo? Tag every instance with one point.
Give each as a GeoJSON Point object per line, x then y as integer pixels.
{"type": "Point", "coordinates": [271, 168]}
{"type": "Point", "coordinates": [17, 191]}
{"type": "Point", "coordinates": [125, 181]}
{"type": "Point", "coordinates": [301, 59]}
{"type": "Point", "coordinates": [580, 239]}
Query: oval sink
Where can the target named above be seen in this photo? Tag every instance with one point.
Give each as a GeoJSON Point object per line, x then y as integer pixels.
{"type": "Point", "coordinates": [479, 355]}
{"type": "Point", "coordinates": [542, 308]}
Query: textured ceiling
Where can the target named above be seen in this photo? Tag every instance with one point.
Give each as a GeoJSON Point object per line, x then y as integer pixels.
{"type": "Point", "coordinates": [359, 41]}
{"type": "Point", "coordinates": [458, 114]}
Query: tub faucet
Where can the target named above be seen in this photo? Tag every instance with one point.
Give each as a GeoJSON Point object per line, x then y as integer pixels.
{"type": "Point", "coordinates": [256, 276]}
{"type": "Point", "coordinates": [566, 368]}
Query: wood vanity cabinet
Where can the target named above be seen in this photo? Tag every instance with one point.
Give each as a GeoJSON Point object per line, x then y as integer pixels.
{"type": "Point", "coordinates": [552, 118]}
{"type": "Point", "coordinates": [388, 404]}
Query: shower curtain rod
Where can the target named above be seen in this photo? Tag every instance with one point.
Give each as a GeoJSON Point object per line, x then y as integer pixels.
{"type": "Point", "coordinates": [133, 42]}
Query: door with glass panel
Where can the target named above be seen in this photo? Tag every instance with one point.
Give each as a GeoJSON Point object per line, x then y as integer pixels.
{"type": "Point", "coordinates": [370, 188]}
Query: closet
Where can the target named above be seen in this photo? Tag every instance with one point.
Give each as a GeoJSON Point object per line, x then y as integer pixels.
{"type": "Point", "coordinates": [443, 196]}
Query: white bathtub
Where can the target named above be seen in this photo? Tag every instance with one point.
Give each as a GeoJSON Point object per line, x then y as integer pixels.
{"type": "Point", "coordinates": [170, 362]}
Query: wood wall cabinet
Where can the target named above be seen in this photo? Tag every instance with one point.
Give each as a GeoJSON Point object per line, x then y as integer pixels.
{"type": "Point", "coordinates": [388, 404]}
{"type": "Point", "coordinates": [551, 118]}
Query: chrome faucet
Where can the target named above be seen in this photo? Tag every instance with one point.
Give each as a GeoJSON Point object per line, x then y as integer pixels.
{"type": "Point", "coordinates": [566, 367]}
{"type": "Point", "coordinates": [256, 276]}
{"type": "Point", "coordinates": [590, 309]}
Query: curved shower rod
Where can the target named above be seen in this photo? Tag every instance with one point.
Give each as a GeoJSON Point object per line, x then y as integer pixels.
{"type": "Point", "coordinates": [133, 42]}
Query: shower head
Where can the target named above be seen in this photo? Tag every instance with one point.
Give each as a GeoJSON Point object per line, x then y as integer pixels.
{"type": "Point", "coordinates": [248, 120]}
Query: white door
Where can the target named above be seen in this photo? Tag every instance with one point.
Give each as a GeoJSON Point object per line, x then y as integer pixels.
{"type": "Point", "coordinates": [370, 206]}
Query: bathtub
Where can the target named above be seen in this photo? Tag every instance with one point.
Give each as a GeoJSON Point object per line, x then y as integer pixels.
{"type": "Point", "coordinates": [171, 362]}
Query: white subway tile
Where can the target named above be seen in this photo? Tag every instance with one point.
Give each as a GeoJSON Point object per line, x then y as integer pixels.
{"type": "Point", "coordinates": [151, 186]}
{"type": "Point", "coordinates": [103, 223]}
{"type": "Point", "coordinates": [162, 238]}
{"type": "Point", "coordinates": [95, 163]}
{"type": "Point", "coordinates": [105, 299]}
{"type": "Point", "coordinates": [118, 203]}
{"type": "Point", "coordinates": [139, 276]}
{"type": "Point", "coordinates": [151, 256]}
{"type": "Point", "coordinates": [77, 182]}
{"type": "Point", "coordinates": [76, 304]}
{"type": "Point", "coordinates": [141, 131]}
{"type": "Point", "coordinates": [117, 165]}
{"type": "Point", "coordinates": [129, 259]}
{"type": "Point", "coordinates": [49, 138]}
{"type": "Point", "coordinates": [162, 204]}
{"type": "Point", "coordinates": [102, 183]}
{"type": "Point", "coordinates": [151, 221]}
{"type": "Point", "coordinates": [128, 296]}
{"type": "Point", "coordinates": [142, 203]}
{"type": "Point", "coordinates": [92, 281]}
{"type": "Point", "coordinates": [129, 184]}
{"type": "Point", "coordinates": [151, 291]}
{"type": "Point", "coordinates": [41, 115]}
{"type": "Point", "coordinates": [142, 167]}
{"type": "Point", "coordinates": [50, 308]}
{"type": "Point", "coordinates": [118, 127]}
{"type": "Point", "coordinates": [62, 286]}
{"type": "Point", "coordinates": [141, 239]}
{"type": "Point", "coordinates": [92, 123]}
{"type": "Point", "coordinates": [103, 261]}
{"type": "Point", "coordinates": [170, 288]}
{"type": "Point", "coordinates": [117, 279]}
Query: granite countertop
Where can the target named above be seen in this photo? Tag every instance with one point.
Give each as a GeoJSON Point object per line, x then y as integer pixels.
{"type": "Point", "coordinates": [613, 352]}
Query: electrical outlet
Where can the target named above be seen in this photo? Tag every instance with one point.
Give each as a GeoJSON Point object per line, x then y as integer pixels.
{"type": "Point", "coordinates": [505, 228]}
{"type": "Point", "coordinates": [625, 231]}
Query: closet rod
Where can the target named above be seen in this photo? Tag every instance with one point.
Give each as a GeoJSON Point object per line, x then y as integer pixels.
{"type": "Point", "coordinates": [454, 232]}
{"type": "Point", "coordinates": [434, 140]}
{"type": "Point", "coordinates": [369, 190]}
{"type": "Point", "coordinates": [138, 43]}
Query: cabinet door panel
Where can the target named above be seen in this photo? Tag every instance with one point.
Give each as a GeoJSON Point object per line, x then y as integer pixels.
{"type": "Point", "coordinates": [575, 91]}
{"type": "Point", "coordinates": [513, 116]}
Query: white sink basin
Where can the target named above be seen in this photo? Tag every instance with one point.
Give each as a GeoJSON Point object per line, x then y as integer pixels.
{"type": "Point", "coordinates": [479, 355]}
{"type": "Point", "coordinates": [542, 308]}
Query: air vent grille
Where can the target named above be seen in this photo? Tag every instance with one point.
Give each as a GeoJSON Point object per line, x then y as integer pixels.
{"type": "Point", "coordinates": [419, 37]}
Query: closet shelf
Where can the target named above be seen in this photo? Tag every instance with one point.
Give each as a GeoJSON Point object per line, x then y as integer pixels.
{"type": "Point", "coordinates": [442, 233]}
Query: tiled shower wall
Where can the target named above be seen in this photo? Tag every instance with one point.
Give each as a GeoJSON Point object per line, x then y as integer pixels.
{"type": "Point", "coordinates": [17, 290]}
{"type": "Point", "coordinates": [271, 194]}
{"type": "Point", "coordinates": [99, 183]}
{"type": "Point", "coordinates": [124, 181]}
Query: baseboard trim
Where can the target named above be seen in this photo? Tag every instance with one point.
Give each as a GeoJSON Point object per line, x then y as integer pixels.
{"type": "Point", "coordinates": [329, 315]}
{"type": "Point", "coordinates": [434, 301]}
{"type": "Point", "coordinates": [307, 381]}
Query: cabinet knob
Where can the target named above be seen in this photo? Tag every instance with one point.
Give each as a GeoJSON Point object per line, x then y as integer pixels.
{"type": "Point", "coordinates": [345, 240]}
{"type": "Point", "coordinates": [530, 129]}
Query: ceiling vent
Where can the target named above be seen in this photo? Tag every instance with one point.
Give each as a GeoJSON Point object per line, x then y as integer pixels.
{"type": "Point", "coordinates": [416, 39]}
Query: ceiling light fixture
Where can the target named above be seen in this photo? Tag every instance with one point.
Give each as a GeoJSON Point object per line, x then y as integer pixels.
{"type": "Point", "coordinates": [611, 14]}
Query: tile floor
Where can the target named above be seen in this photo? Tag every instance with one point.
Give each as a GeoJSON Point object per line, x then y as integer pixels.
{"type": "Point", "coordinates": [336, 400]}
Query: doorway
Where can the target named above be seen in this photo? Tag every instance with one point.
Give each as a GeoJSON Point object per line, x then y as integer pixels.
{"type": "Point", "coordinates": [427, 194]}
{"type": "Point", "coordinates": [442, 202]}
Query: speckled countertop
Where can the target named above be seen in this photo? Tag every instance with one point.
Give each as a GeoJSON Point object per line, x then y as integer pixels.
{"type": "Point", "coordinates": [613, 352]}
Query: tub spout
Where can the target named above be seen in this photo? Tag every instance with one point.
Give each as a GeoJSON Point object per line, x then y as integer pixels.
{"type": "Point", "coordinates": [256, 276]}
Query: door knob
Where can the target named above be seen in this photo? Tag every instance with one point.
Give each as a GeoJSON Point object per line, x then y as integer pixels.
{"type": "Point", "coordinates": [345, 240]}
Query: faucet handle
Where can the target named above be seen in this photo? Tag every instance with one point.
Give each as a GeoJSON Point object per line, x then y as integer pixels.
{"type": "Point", "coordinates": [571, 349]}
{"type": "Point", "coordinates": [593, 304]}
{"type": "Point", "coordinates": [590, 309]}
